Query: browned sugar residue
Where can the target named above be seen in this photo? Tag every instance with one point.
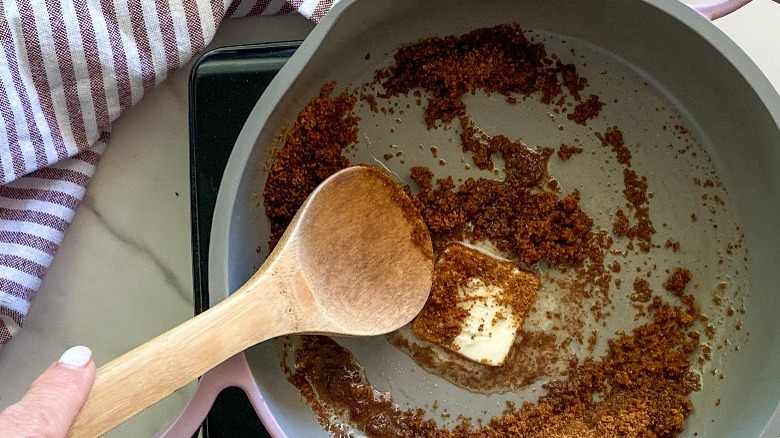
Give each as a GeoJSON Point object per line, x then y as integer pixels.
{"type": "Point", "coordinates": [639, 387]}
{"type": "Point", "coordinates": [635, 192]}
{"type": "Point", "coordinates": [565, 152]}
{"type": "Point", "coordinates": [673, 244]}
{"type": "Point", "coordinates": [441, 319]}
{"type": "Point", "coordinates": [422, 176]}
{"type": "Point", "coordinates": [621, 225]}
{"type": "Point", "coordinates": [643, 383]}
{"type": "Point", "coordinates": [499, 59]}
{"type": "Point", "coordinates": [613, 138]}
{"type": "Point", "coordinates": [677, 283]}
{"type": "Point", "coordinates": [587, 110]}
{"type": "Point", "coordinates": [525, 167]}
{"type": "Point", "coordinates": [371, 100]}
{"type": "Point", "coordinates": [329, 379]}
{"type": "Point", "coordinates": [512, 213]}
{"type": "Point", "coordinates": [311, 153]}
{"type": "Point", "coordinates": [642, 292]}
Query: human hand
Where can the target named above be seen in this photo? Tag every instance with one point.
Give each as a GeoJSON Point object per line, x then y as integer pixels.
{"type": "Point", "coordinates": [54, 399]}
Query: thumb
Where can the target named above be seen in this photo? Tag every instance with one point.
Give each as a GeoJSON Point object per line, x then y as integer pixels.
{"type": "Point", "coordinates": [54, 399]}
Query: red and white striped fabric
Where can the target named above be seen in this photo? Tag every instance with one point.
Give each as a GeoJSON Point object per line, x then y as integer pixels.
{"type": "Point", "coordinates": [68, 68]}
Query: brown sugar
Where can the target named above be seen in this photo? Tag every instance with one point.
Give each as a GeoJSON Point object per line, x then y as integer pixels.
{"type": "Point", "coordinates": [422, 176]}
{"type": "Point", "coordinates": [639, 387]}
{"type": "Point", "coordinates": [677, 282]}
{"type": "Point", "coordinates": [524, 166]}
{"type": "Point", "coordinates": [311, 153]}
{"type": "Point", "coordinates": [499, 59]}
{"type": "Point", "coordinates": [621, 225]}
{"type": "Point", "coordinates": [642, 292]}
{"type": "Point", "coordinates": [530, 224]}
{"type": "Point", "coordinates": [586, 110]}
{"type": "Point", "coordinates": [613, 138]}
{"type": "Point", "coordinates": [565, 152]}
{"type": "Point", "coordinates": [553, 229]}
{"type": "Point", "coordinates": [333, 386]}
{"type": "Point", "coordinates": [674, 245]}
{"type": "Point", "coordinates": [635, 192]}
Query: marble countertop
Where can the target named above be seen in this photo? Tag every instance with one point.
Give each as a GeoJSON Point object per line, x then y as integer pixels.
{"type": "Point", "coordinates": [123, 273]}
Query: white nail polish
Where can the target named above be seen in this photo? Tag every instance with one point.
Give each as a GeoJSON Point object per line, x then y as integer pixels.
{"type": "Point", "coordinates": [76, 357]}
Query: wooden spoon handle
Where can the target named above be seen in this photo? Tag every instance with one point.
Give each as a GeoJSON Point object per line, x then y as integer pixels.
{"type": "Point", "coordinates": [131, 383]}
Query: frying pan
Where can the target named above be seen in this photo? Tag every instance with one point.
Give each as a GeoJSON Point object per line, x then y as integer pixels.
{"type": "Point", "coordinates": [660, 65]}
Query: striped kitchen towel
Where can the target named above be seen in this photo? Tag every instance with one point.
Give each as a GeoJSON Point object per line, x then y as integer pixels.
{"type": "Point", "coordinates": [68, 68]}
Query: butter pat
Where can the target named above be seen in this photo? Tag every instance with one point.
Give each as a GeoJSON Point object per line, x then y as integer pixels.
{"type": "Point", "coordinates": [477, 305]}
{"type": "Point", "coordinates": [489, 330]}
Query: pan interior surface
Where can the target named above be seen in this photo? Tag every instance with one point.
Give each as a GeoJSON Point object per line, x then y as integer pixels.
{"type": "Point", "coordinates": [669, 81]}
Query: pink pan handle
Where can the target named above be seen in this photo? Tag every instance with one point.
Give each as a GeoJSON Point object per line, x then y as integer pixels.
{"type": "Point", "coordinates": [233, 372]}
{"type": "Point", "coordinates": [717, 9]}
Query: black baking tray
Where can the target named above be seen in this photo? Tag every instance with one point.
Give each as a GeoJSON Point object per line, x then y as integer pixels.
{"type": "Point", "coordinates": [225, 85]}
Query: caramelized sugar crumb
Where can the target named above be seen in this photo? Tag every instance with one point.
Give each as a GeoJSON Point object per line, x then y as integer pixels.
{"type": "Point", "coordinates": [613, 138]}
{"type": "Point", "coordinates": [565, 152]}
{"type": "Point", "coordinates": [635, 192]}
{"type": "Point", "coordinates": [639, 387]}
{"type": "Point", "coordinates": [422, 176]}
{"type": "Point", "coordinates": [642, 291]}
{"type": "Point", "coordinates": [311, 153]}
{"type": "Point", "coordinates": [586, 110]}
{"type": "Point", "coordinates": [499, 59]}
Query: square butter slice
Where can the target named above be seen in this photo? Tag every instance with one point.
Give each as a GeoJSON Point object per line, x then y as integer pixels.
{"type": "Point", "coordinates": [477, 304]}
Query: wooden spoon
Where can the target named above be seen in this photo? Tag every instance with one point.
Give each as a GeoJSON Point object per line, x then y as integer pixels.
{"type": "Point", "coordinates": [356, 260]}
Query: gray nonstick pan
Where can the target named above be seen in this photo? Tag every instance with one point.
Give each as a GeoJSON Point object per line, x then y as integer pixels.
{"type": "Point", "coordinates": [701, 123]}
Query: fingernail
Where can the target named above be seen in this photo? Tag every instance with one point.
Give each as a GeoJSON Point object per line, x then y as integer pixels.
{"type": "Point", "coordinates": [76, 357]}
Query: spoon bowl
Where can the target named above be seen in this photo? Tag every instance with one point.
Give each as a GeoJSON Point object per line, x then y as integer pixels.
{"type": "Point", "coordinates": [356, 260]}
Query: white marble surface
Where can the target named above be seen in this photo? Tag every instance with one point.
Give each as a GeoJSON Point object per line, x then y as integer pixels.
{"type": "Point", "coordinates": [123, 273]}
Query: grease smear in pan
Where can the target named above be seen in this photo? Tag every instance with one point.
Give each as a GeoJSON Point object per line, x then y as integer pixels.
{"type": "Point", "coordinates": [572, 166]}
